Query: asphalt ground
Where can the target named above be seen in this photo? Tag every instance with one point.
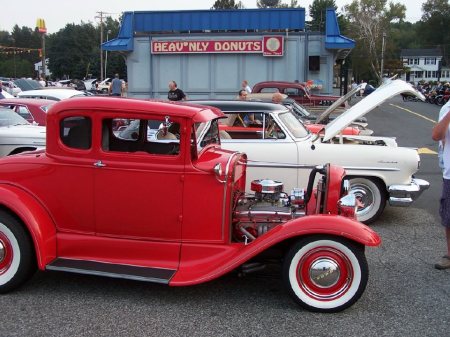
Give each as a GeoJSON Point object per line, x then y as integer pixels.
{"type": "Point", "coordinates": [405, 295]}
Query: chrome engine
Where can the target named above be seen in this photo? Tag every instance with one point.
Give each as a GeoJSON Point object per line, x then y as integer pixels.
{"type": "Point", "coordinates": [270, 206]}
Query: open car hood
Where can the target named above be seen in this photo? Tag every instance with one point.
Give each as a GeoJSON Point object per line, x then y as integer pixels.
{"type": "Point", "coordinates": [367, 104]}
{"type": "Point", "coordinates": [337, 104]}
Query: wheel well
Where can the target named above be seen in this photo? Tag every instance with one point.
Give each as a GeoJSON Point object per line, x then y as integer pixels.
{"type": "Point", "coordinates": [281, 248]}
{"type": "Point", "coordinates": [376, 180]}
{"type": "Point", "coordinates": [19, 220]}
{"type": "Point", "coordinates": [21, 149]}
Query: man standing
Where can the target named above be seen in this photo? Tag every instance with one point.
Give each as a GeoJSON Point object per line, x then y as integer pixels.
{"type": "Point", "coordinates": [115, 88]}
{"type": "Point", "coordinates": [175, 94]}
{"type": "Point", "coordinates": [246, 87]}
{"type": "Point", "coordinates": [441, 132]}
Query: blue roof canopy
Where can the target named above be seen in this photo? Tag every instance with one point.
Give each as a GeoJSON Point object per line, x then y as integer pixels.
{"type": "Point", "coordinates": [204, 20]}
{"type": "Point", "coordinates": [333, 38]}
{"type": "Point", "coordinates": [261, 19]}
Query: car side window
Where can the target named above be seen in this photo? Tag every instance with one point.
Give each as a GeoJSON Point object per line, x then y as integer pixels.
{"type": "Point", "coordinates": [154, 136]}
{"type": "Point", "coordinates": [293, 92]}
{"type": "Point", "coordinates": [76, 132]}
{"type": "Point", "coordinates": [25, 113]}
{"type": "Point", "coordinates": [270, 90]}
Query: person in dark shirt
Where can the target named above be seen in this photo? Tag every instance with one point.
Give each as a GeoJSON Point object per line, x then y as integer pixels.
{"type": "Point", "coordinates": [175, 94]}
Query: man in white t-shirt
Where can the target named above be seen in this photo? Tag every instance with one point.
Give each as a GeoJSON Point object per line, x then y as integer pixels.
{"type": "Point", "coordinates": [246, 87]}
{"type": "Point", "coordinates": [441, 133]}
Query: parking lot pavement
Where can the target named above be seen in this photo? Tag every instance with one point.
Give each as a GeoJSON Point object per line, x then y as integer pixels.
{"type": "Point", "coordinates": [405, 296]}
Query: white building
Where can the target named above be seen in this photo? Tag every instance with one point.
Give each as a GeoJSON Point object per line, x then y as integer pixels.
{"type": "Point", "coordinates": [424, 65]}
{"type": "Point", "coordinates": [38, 68]}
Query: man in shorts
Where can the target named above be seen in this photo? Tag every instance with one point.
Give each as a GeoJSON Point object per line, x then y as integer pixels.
{"type": "Point", "coordinates": [441, 132]}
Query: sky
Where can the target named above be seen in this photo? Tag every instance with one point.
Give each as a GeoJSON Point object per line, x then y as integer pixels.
{"type": "Point", "coordinates": [58, 13]}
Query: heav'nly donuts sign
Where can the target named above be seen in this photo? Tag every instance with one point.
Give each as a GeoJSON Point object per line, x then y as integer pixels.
{"type": "Point", "coordinates": [268, 46]}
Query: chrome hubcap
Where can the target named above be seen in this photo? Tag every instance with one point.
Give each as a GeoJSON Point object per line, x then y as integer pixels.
{"type": "Point", "coordinates": [2, 251]}
{"type": "Point", "coordinates": [324, 273]}
{"type": "Point", "coordinates": [364, 195]}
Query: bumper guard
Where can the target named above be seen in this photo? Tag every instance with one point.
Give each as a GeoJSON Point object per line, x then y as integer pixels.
{"type": "Point", "coordinates": [404, 195]}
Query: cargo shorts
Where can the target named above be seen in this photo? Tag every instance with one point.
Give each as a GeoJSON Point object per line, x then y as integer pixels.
{"type": "Point", "coordinates": [444, 208]}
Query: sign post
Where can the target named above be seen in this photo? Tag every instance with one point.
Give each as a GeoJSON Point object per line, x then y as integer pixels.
{"type": "Point", "coordinates": [40, 27]}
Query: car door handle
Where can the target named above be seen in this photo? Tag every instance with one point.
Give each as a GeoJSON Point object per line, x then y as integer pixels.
{"type": "Point", "coordinates": [99, 164]}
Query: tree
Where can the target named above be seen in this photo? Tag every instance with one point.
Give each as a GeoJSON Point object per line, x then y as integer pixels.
{"type": "Point", "coordinates": [73, 50]}
{"type": "Point", "coordinates": [268, 3]}
{"type": "Point", "coordinates": [368, 21]}
{"type": "Point", "coordinates": [317, 12]}
{"type": "Point", "coordinates": [433, 28]}
{"type": "Point", "coordinates": [227, 4]}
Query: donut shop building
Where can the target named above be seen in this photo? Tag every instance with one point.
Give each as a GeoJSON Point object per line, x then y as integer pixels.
{"type": "Point", "coordinates": [209, 52]}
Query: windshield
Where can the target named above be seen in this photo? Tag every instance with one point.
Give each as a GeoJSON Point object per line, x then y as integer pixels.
{"type": "Point", "coordinates": [212, 134]}
{"type": "Point", "coordinates": [297, 109]}
{"type": "Point", "coordinates": [9, 117]}
{"type": "Point", "coordinates": [293, 124]}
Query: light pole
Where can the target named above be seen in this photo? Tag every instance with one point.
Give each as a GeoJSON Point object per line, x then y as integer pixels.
{"type": "Point", "coordinates": [382, 58]}
{"type": "Point", "coordinates": [14, 55]}
{"type": "Point", "coordinates": [106, 52]}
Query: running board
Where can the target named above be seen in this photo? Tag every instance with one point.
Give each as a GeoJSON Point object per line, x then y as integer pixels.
{"type": "Point", "coordinates": [147, 274]}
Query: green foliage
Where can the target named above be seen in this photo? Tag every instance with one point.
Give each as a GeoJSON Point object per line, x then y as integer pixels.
{"type": "Point", "coordinates": [369, 20]}
{"type": "Point", "coordinates": [317, 12]}
{"type": "Point", "coordinates": [276, 4]}
{"type": "Point", "coordinates": [433, 28]}
{"type": "Point", "coordinates": [227, 4]}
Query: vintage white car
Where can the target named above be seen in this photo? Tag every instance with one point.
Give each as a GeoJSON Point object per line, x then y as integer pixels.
{"type": "Point", "coordinates": [277, 145]}
{"type": "Point", "coordinates": [17, 135]}
{"type": "Point", "coordinates": [54, 94]}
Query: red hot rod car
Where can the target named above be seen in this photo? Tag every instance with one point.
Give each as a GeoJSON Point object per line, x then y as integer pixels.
{"type": "Point", "coordinates": [180, 216]}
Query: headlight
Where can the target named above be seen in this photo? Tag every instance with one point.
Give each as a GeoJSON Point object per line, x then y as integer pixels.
{"type": "Point", "coordinates": [347, 206]}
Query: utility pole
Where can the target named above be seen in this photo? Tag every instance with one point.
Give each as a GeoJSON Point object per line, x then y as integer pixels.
{"type": "Point", "coordinates": [382, 58]}
{"type": "Point", "coordinates": [100, 16]}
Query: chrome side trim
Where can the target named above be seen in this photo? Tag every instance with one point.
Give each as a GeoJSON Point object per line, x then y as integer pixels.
{"type": "Point", "coordinates": [256, 163]}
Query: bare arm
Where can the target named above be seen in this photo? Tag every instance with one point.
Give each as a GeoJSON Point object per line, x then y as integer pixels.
{"type": "Point", "coordinates": [440, 128]}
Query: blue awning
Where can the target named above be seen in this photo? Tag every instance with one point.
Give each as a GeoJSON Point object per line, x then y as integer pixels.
{"type": "Point", "coordinates": [123, 41]}
{"type": "Point", "coordinates": [333, 37]}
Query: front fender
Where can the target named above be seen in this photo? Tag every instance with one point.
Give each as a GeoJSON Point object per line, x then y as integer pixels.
{"type": "Point", "coordinates": [36, 219]}
{"type": "Point", "coordinates": [204, 262]}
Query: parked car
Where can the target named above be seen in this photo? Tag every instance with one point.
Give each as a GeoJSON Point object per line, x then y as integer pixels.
{"type": "Point", "coordinates": [11, 87]}
{"type": "Point", "coordinates": [359, 126]}
{"type": "Point", "coordinates": [27, 84]}
{"type": "Point", "coordinates": [182, 217]}
{"type": "Point", "coordinates": [5, 94]}
{"type": "Point", "coordinates": [32, 110]}
{"type": "Point", "coordinates": [300, 93]}
{"type": "Point", "coordinates": [55, 94]}
{"type": "Point", "coordinates": [103, 86]}
{"type": "Point", "coordinates": [378, 169]}
{"type": "Point", "coordinates": [17, 135]}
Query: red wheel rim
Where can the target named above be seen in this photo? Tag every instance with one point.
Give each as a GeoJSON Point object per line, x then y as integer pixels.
{"type": "Point", "coordinates": [6, 253]}
{"type": "Point", "coordinates": [324, 273]}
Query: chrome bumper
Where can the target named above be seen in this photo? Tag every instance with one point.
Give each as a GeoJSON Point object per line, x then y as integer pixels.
{"type": "Point", "coordinates": [404, 195]}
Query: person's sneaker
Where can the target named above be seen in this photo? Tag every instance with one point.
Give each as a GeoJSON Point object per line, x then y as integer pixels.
{"type": "Point", "coordinates": [444, 264]}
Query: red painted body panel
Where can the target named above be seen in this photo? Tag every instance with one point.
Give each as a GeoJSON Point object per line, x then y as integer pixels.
{"type": "Point", "coordinates": [119, 250]}
{"type": "Point", "coordinates": [201, 263]}
{"type": "Point", "coordinates": [35, 217]}
{"type": "Point", "coordinates": [314, 128]}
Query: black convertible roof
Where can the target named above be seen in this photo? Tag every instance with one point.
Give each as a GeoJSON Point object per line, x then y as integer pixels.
{"type": "Point", "coordinates": [240, 106]}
